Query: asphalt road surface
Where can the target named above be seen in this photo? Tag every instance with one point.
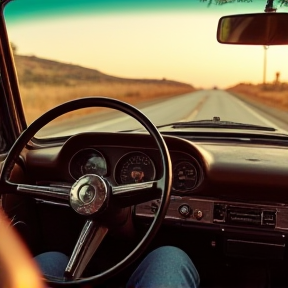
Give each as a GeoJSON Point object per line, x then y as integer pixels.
{"type": "Point", "coordinates": [203, 104]}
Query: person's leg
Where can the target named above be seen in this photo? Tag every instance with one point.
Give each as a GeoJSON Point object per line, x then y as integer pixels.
{"type": "Point", "coordinates": [52, 263]}
{"type": "Point", "coordinates": [167, 267]}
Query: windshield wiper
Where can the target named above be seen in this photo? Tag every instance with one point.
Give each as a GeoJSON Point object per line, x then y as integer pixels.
{"type": "Point", "coordinates": [216, 123]}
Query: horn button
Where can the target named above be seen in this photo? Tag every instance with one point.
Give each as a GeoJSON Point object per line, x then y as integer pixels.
{"type": "Point", "coordinates": [88, 194]}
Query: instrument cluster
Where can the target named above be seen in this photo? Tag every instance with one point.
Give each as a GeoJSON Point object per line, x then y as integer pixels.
{"type": "Point", "coordinates": [136, 167]}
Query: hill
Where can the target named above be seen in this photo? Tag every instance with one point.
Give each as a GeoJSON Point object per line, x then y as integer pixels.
{"type": "Point", "coordinates": [51, 83]}
{"type": "Point", "coordinates": [33, 70]}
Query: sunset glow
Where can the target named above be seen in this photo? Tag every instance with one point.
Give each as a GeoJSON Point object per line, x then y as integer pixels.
{"type": "Point", "coordinates": [179, 46]}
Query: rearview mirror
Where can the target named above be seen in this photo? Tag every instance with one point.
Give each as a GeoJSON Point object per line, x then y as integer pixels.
{"type": "Point", "coordinates": [254, 29]}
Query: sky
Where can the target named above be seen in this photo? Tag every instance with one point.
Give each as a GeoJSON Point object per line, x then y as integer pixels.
{"type": "Point", "coordinates": [176, 43]}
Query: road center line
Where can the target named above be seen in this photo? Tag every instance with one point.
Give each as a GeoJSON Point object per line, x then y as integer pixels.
{"type": "Point", "coordinates": [196, 110]}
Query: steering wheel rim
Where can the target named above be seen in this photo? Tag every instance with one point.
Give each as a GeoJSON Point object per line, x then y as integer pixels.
{"type": "Point", "coordinates": [88, 102]}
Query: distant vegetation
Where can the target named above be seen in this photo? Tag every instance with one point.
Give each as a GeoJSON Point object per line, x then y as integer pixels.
{"type": "Point", "coordinates": [45, 84]}
{"type": "Point", "coordinates": [272, 94]}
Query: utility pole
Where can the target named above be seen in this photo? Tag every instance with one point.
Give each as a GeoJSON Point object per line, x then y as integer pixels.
{"type": "Point", "coordinates": [265, 64]}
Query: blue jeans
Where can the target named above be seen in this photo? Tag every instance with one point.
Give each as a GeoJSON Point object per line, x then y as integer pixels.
{"type": "Point", "coordinates": [166, 266]}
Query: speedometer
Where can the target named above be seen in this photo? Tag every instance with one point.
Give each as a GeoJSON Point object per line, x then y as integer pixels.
{"type": "Point", "coordinates": [135, 167]}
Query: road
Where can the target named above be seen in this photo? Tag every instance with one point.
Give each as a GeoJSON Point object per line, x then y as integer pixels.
{"type": "Point", "coordinates": [199, 105]}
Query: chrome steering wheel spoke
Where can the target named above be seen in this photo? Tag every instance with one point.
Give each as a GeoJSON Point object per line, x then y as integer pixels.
{"type": "Point", "coordinates": [54, 193]}
{"type": "Point", "coordinates": [136, 193]}
{"type": "Point", "coordinates": [88, 242]}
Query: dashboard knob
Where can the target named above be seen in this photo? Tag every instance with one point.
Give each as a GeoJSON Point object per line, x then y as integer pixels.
{"type": "Point", "coordinates": [198, 214]}
{"type": "Point", "coordinates": [184, 210]}
{"type": "Point", "coordinates": [155, 206]}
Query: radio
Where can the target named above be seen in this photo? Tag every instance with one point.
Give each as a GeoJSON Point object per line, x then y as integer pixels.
{"type": "Point", "coordinates": [240, 215]}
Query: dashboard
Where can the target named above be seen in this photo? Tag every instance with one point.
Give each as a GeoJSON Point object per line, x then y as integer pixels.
{"type": "Point", "coordinates": [236, 188]}
{"type": "Point", "coordinates": [241, 172]}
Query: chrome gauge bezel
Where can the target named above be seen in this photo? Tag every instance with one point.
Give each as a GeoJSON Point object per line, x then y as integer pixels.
{"type": "Point", "coordinates": [88, 150]}
{"type": "Point", "coordinates": [127, 156]}
{"type": "Point", "coordinates": [186, 158]}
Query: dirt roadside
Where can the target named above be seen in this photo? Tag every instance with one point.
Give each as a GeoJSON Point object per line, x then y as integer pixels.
{"type": "Point", "coordinates": [276, 113]}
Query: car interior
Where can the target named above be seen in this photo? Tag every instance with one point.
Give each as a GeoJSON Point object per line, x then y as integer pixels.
{"type": "Point", "coordinates": [215, 188]}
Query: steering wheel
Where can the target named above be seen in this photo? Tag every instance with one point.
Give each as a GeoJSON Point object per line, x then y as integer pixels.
{"type": "Point", "coordinates": [92, 195]}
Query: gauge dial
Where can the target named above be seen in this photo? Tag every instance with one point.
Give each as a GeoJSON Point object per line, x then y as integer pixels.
{"type": "Point", "coordinates": [87, 161]}
{"type": "Point", "coordinates": [184, 176]}
{"type": "Point", "coordinates": [135, 167]}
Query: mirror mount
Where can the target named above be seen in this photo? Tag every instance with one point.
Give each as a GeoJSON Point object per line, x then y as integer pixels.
{"type": "Point", "coordinates": [269, 7]}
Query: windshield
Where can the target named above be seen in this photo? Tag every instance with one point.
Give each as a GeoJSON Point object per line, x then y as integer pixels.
{"type": "Point", "coordinates": [161, 56]}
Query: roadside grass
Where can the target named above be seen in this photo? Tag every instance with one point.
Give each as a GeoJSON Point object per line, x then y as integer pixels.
{"type": "Point", "coordinates": [38, 99]}
{"type": "Point", "coordinates": [270, 94]}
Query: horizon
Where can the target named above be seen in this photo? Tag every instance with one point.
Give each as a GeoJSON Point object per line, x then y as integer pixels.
{"type": "Point", "coordinates": [157, 79]}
